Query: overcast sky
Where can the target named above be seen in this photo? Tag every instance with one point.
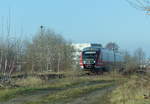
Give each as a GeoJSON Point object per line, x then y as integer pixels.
{"type": "Point", "coordinates": [81, 21]}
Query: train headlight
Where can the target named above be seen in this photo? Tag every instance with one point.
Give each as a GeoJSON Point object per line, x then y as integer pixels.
{"type": "Point", "coordinates": [82, 67]}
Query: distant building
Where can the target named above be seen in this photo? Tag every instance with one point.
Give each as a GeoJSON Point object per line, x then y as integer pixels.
{"type": "Point", "coordinates": [78, 48]}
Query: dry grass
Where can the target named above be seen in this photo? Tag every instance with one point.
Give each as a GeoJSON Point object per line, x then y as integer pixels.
{"type": "Point", "coordinates": [132, 92]}
{"type": "Point", "coordinates": [30, 82]}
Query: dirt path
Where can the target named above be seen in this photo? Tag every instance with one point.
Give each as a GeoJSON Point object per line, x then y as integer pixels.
{"type": "Point", "coordinates": [94, 97]}
{"type": "Point", "coordinates": [34, 96]}
{"type": "Point", "coordinates": [29, 97]}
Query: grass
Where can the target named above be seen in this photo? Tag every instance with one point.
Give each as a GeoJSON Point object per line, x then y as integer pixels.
{"type": "Point", "coordinates": [132, 92]}
{"type": "Point", "coordinates": [32, 84]}
{"type": "Point", "coordinates": [69, 94]}
{"type": "Point", "coordinates": [11, 93]}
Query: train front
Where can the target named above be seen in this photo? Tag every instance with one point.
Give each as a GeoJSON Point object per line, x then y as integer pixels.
{"type": "Point", "coordinates": [88, 58]}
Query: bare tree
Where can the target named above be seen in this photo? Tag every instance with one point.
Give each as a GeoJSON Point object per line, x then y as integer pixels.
{"type": "Point", "coordinates": [112, 46]}
{"type": "Point", "coordinates": [134, 62]}
{"type": "Point", "coordinates": [10, 51]}
{"type": "Point", "coordinates": [143, 5]}
{"type": "Point", "coordinates": [49, 52]}
{"type": "Point", "coordinates": [139, 55]}
{"type": "Point", "coordinates": [129, 63]}
{"type": "Point", "coordinates": [9, 57]}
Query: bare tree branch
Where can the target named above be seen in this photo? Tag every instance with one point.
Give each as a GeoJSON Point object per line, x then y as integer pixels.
{"type": "Point", "coordinates": [143, 5]}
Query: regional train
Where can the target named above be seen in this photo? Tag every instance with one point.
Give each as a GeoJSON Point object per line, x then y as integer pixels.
{"type": "Point", "coordinates": [98, 59]}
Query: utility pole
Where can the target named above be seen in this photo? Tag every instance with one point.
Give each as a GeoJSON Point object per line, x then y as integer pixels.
{"type": "Point", "coordinates": [113, 48]}
{"type": "Point", "coordinates": [41, 29]}
{"type": "Point", "coordinates": [40, 46]}
{"type": "Point", "coordinates": [114, 54]}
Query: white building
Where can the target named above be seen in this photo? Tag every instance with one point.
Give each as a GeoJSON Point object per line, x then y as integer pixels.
{"type": "Point", "coordinates": [78, 48]}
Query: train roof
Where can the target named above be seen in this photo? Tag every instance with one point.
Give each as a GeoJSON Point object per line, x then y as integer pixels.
{"type": "Point", "coordinates": [92, 48]}
{"type": "Point", "coordinates": [95, 48]}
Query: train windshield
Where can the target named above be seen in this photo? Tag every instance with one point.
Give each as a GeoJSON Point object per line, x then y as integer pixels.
{"type": "Point", "coordinates": [89, 55]}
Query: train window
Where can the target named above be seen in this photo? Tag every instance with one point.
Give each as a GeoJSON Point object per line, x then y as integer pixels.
{"type": "Point", "coordinates": [89, 55]}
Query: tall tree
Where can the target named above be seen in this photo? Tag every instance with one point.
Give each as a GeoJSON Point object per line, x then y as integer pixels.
{"type": "Point", "coordinates": [129, 62]}
{"type": "Point", "coordinates": [139, 55]}
{"type": "Point", "coordinates": [112, 46]}
{"type": "Point", "coordinates": [49, 51]}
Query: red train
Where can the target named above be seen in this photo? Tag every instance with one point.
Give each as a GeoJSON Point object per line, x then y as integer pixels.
{"type": "Point", "coordinates": [96, 59]}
